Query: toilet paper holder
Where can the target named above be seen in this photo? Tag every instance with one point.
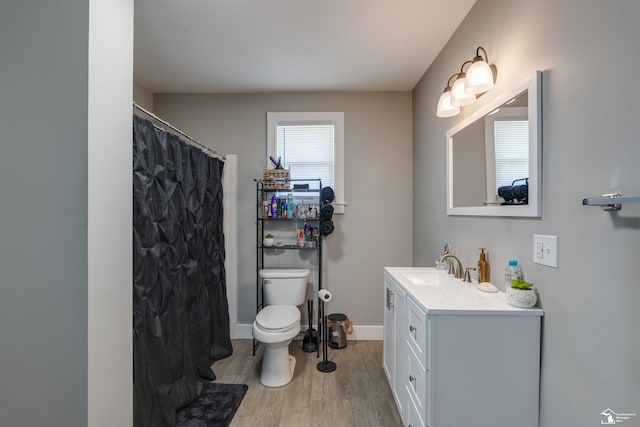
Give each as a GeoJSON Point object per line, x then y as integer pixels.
{"type": "Point", "coordinates": [324, 295]}
{"type": "Point", "coordinates": [325, 365]}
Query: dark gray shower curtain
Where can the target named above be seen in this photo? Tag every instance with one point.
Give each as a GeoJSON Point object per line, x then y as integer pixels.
{"type": "Point", "coordinates": [180, 312]}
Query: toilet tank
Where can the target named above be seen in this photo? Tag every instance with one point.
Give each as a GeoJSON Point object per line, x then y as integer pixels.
{"type": "Point", "coordinates": [284, 286]}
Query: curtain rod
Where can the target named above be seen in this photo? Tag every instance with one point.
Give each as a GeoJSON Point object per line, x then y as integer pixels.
{"type": "Point", "coordinates": [164, 122]}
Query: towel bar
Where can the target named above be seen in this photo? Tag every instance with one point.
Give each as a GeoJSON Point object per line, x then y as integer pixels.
{"type": "Point", "coordinates": [610, 202]}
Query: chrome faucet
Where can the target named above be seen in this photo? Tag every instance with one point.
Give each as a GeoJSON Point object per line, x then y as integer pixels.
{"type": "Point", "coordinates": [459, 272]}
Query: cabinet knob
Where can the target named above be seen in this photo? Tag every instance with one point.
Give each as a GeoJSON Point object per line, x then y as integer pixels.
{"type": "Point", "coordinates": [411, 378]}
{"type": "Point", "coordinates": [412, 328]}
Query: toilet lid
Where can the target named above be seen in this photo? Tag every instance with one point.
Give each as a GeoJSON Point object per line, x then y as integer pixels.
{"type": "Point", "coordinates": [277, 316]}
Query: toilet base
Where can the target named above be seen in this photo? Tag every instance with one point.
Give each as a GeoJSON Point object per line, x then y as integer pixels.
{"type": "Point", "coordinates": [277, 366]}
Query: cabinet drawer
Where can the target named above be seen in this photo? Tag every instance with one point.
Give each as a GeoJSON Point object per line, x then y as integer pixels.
{"type": "Point", "coordinates": [417, 383]}
{"type": "Point", "coordinates": [413, 416]}
{"type": "Point", "coordinates": [418, 332]}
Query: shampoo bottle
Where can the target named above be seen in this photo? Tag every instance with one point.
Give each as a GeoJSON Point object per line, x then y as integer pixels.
{"type": "Point", "coordinates": [483, 267]}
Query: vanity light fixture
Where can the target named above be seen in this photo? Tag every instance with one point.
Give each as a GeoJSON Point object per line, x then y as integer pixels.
{"type": "Point", "coordinates": [445, 108]}
{"type": "Point", "coordinates": [468, 86]}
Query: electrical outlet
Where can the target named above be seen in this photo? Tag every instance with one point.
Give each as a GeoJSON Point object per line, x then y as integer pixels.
{"type": "Point", "coordinates": [545, 250]}
{"type": "Point", "coordinates": [538, 249]}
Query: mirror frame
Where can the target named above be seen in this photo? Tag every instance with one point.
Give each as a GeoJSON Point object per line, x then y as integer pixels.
{"type": "Point", "coordinates": [533, 84]}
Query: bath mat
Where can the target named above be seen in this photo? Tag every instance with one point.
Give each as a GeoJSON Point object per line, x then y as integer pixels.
{"type": "Point", "coordinates": [215, 407]}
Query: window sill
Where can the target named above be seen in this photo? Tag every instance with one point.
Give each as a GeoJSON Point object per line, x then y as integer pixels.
{"type": "Point", "coordinates": [338, 207]}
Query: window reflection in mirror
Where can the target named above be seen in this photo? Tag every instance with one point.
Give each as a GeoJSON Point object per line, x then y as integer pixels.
{"type": "Point", "coordinates": [506, 144]}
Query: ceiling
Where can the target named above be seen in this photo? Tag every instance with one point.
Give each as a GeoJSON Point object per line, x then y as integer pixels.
{"type": "Point", "coordinates": [289, 45]}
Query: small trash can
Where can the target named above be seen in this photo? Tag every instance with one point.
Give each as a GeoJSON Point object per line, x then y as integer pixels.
{"type": "Point", "coordinates": [339, 325]}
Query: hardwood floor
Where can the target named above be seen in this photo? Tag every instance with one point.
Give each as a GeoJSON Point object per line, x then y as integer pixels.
{"type": "Point", "coordinates": [356, 394]}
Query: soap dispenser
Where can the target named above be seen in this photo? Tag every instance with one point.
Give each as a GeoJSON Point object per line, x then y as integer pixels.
{"type": "Point", "coordinates": [483, 267]}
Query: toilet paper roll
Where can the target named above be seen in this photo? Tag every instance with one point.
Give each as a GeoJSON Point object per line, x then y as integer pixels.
{"type": "Point", "coordinates": [324, 295]}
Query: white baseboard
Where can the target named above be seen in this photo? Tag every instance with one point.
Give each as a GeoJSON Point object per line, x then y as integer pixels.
{"type": "Point", "coordinates": [360, 332]}
{"type": "Point", "coordinates": [366, 333]}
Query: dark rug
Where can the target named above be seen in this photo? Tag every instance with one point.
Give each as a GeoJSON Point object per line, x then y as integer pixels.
{"type": "Point", "coordinates": [215, 407]}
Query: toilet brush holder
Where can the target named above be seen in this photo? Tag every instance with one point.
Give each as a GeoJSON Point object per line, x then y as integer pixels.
{"type": "Point", "coordinates": [325, 365]}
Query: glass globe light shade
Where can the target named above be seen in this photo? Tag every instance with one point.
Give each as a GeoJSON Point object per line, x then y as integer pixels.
{"type": "Point", "coordinates": [445, 109]}
{"type": "Point", "coordinates": [459, 98]}
{"type": "Point", "coordinates": [479, 77]}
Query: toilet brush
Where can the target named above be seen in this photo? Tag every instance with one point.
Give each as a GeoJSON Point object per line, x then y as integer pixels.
{"type": "Point", "coordinates": [325, 365]}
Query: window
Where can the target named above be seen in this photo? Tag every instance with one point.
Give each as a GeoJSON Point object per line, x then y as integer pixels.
{"type": "Point", "coordinates": [507, 147]}
{"type": "Point", "coordinates": [310, 145]}
{"type": "Point", "coordinates": [512, 150]}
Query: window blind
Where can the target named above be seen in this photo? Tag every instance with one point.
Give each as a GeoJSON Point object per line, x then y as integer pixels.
{"type": "Point", "coordinates": [511, 138]}
{"type": "Point", "coordinates": [308, 150]}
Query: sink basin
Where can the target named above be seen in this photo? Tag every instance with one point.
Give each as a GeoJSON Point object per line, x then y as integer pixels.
{"type": "Point", "coordinates": [421, 276]}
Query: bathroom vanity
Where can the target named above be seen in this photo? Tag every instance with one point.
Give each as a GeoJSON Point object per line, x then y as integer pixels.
{"type": "Point", "coordinates": [456, 356]}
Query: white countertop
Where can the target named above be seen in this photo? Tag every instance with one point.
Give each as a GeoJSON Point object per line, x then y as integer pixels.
{"type": "Point", "coordinates": [437, 292]}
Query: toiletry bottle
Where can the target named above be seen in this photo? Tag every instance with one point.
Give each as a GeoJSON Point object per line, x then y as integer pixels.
{"type": "Point", "coordinates": [274, 206]}
{"type": "Point", "coordinates": [285, 209]}
{"type": "Point", "coordinates": [483, 267]}
{"type": "Point", "coordinates": [290, 205]}
{"type": "Point", "coordinates": [513, 271]}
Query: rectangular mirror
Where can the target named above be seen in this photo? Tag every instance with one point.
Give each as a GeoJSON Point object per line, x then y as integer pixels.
{"type": "Point", "coordinates": [494, 158]}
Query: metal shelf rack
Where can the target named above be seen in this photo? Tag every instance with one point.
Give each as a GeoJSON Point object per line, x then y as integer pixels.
{"type": "Point", "coordinates": [313, 194]}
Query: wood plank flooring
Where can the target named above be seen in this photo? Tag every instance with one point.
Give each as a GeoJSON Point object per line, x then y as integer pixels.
{"type": "Point", "coordinates": [356, 394]}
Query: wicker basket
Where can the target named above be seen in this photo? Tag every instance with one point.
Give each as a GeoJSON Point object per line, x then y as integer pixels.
{"type": "Point", "coordinates": [275, 179]}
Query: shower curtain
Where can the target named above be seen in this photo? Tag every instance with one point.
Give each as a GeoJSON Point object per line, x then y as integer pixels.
{"type": "Point", "coordinates": [180, 312]}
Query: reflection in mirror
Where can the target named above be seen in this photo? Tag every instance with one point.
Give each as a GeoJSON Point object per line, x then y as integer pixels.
{"type": "Point", "coordinates": [495, 150]}
{"type": "Point", "coordinates": [493, 156]}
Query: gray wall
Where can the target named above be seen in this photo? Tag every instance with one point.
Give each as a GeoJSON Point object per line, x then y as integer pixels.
{"type": "Point", "coordinates": [142, 97]}
{"type": "Point", "coordinates": [469, 161]}
{"type": "Point", "coordinates": [53, 207]}
{"type": "Point", "coordinates": [375, 230]}
{"type": "Point", "coordinates": [43, 233]}
{"type": "Point", "coordinates": [588, 49]}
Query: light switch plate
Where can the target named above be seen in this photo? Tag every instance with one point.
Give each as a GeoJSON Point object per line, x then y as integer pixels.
{"type": "Point", "coordinates": [545, 250]}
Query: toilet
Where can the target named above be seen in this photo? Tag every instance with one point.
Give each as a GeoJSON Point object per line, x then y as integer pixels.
{"type": "Point", "coordinates": [279, 322]}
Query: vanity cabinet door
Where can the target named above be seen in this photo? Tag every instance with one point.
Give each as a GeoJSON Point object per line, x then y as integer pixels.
{"type": "Point", "coordinates": [388, 350]}
{"type": "Point", "coordinates": [394, 356]}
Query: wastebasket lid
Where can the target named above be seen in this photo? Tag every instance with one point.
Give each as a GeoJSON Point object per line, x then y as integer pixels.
{"type": "Point", "coordinates": [337, 317]}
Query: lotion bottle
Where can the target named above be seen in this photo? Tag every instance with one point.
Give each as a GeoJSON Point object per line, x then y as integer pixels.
{"type": "Point", "coordinates": [483, 267]}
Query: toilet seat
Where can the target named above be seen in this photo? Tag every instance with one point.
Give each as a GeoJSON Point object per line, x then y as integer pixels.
{"type": "Point", "coordinates": [276, 323]}
{"type": "Point", "coordinates": [277, 317]}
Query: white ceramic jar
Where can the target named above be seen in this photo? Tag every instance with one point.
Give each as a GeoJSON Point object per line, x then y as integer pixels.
{"type": "Point", "coordinates": [525, 298]}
